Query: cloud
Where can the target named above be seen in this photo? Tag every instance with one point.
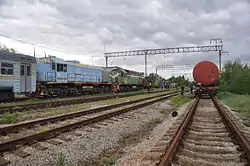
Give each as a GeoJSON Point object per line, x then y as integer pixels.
{"type": "Point", "coordinates": [80, 27]}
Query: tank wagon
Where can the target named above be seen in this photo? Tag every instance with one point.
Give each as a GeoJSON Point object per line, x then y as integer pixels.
{"type": "Point", "coordinates": [206, 74]}
{"type": "Point", "coordinates": [18, 74]}
{"type": "Point", "coordinates": [56, 76]}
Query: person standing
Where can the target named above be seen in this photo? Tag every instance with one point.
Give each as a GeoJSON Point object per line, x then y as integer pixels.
{"type": "Point", "coordinates": [149, 86]}
{"type": "Point", "coordinates": [191, 88]}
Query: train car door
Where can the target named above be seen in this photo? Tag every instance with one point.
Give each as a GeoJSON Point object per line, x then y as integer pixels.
{"type": "Point", "coordinates": [25, 77]}
{"type": "Point", "coordinates": [28, 78]}
{"type": "Point", "coordinates": [22, 78]}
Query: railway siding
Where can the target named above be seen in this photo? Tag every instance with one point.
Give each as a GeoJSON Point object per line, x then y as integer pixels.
{"type": "Point", "coordinates": [74, 116]}
{"type": "Point", "coordinates": [64, 110]}
{"type": "Point", "coordinates": [31, 139]}
{"type": "Point", "coordinates": [51, 104]}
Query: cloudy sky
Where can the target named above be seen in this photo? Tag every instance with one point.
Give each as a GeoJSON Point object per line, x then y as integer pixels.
{"type": "Point", "coordinates": [79, 29]}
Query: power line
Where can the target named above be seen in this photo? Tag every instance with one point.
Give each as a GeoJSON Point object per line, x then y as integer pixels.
{"type": "Point", "coordinates": [22, 41]}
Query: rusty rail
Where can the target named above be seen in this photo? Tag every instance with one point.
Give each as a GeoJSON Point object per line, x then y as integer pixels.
{"type": "Point", "coordinates": [51, 104]}
{"type": "Point", "coordinates": [10, 145]}
{"type": "Point", "coordinates": [165, 161]}
{"type": "Point", "coordinates": [237, 134]}
{"type": "Point", "coordinates": [13, 128]}
{"type": "Point", "coordinates": [240, 138]}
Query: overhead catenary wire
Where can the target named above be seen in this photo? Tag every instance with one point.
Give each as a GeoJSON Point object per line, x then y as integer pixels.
{"type": "Point", "coordinates": [37, 45]}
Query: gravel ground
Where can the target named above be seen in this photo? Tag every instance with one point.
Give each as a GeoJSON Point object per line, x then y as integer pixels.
{"type": "Point", "coordinates": [94, 140]}
{"type": "Point", "coordinates": [138, 155]}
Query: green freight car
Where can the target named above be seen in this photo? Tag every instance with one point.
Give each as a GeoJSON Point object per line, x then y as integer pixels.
{"type": "Point", "coordinates": [128, 80]}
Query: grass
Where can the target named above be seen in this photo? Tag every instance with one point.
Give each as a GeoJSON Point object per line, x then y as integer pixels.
{"type": "Point", "coordinates": [180, 100]}
{"type": "Point", "coordinates": [236, 101]}
{"type": "Point", "coordinates": [61, 160]}
{"type": "Point", "coordinates": [42, 113]}
{"type": "Point", "coordinates": [8, 118]}
{"type": "Point", "coordinates": [176, 101]}
{"type": "Point", "coordinates": [36, 100]}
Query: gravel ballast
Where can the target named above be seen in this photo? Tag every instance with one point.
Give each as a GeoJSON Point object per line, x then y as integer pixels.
{"type": "Point", "coordinates": [140, 155]}
{"type": "Point", "coordinates": [94, 140]}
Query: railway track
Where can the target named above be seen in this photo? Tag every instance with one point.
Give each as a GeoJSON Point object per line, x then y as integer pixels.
{"type": "Point", "coordinates": [16, 127]}
{"type": "Point", "coordinates": [32, 139]}
{"type": "Point", "coordinates": [52, 104]}
{"type": "Point", "coordinates": [205, 135]}
{"type": "Point", "coordinates": [21, 99]}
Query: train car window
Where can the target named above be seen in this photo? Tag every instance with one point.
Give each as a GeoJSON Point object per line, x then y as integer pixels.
{"type": "Point", "coordinates": [7, 68]}
{"type": "Point", "coordinates": [10, 72]}
{"type": "Point", "coordinates": [65, 67]}
{"type": "Point", "coordinates": [22, 70]}
{"type": "Point", "coordinates": [53, 66]}
{"type": "Point", "coordinates": [28, 70]}
{"type": "Point", "coordinates": [59, 67]}
{"type": "Point", "coordinates": [3, 70]}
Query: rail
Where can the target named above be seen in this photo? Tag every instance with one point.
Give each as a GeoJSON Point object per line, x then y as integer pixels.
{"type": "Point", "coordinates": [177, 137]}
{"type": "Point", "coordinates": [241, 139]}
{"type": "Point", "coordinates": [165, 161]}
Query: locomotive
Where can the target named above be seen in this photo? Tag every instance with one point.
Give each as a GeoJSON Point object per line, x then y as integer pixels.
{"type": "Point", "coordinates": [23, 74]}
{"type": "Point", "coordinates": [206, 74]}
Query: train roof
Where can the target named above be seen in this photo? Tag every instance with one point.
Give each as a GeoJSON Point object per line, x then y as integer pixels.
{"type": "Point", "coordinates": [69, 62]}
{"type": "Point", "coordinates": [16, 56]}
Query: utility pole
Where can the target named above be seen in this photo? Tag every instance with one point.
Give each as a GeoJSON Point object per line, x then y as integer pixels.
{"type": "Point", "coordinates": [220, 59]}
{"type": "Point", "coordinates": [225, 52]}
{"type": "Point", "coordinates": [104, 50]}
{"type": "Point", "coordinates": [106, 61]}
{"type": "Point", "coordinates": [218, 42]}
{"type": "Point", "coordinates": [146, 69]}
{"type": "Point", "coordinates": [34, 52]}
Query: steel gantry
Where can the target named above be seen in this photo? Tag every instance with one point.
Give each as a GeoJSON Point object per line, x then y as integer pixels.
{"type": "Point", "coordinates": [216, 47]}
{"type": "Point", "coordinates": [169, 67]}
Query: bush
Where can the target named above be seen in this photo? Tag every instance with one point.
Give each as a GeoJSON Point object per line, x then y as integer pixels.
{"type": "Point", "coordinates": [235, 77]}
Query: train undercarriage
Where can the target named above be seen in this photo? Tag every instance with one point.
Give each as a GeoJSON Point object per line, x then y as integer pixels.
{"type": "Point", "coordinates": [206, 91]}
{"type": "Point", "coordinates": [63, 89]}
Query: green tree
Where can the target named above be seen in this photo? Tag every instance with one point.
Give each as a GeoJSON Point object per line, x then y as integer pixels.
{"type": "Point", "coordinates": [179, 80]}
{"type": "Point", "coordinates": [154, 79]}
{"type": "Point", "coordinates": [5, 48]}
{"type": "Point", "coordinates": [235, 77]}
